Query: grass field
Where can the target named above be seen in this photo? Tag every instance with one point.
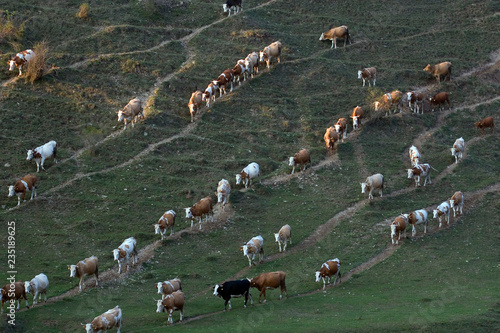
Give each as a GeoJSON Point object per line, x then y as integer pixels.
{"type": "Point", "coordinates": [111, 184]}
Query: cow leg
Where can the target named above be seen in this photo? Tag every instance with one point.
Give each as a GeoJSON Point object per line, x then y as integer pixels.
{"type": "Point", "coordinates": [170, 320]}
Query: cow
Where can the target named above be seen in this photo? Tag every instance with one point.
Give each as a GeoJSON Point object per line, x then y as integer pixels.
{"type": "Point", "coordinates": [485, 123]}
{"type": "Point", "coordinates": [20, 60]}
{"type": "Point", "coordinates": [437, 70]}
{"type": "Point", "coordinates": [223, 192]}
{"type": "Point", "coordinates": [172, 302]}
{"type": "Point", "coordinates": [209, 93]}
{"type": "Point", "coordinates": [195, 103]}
{"type": "Point", "coordinates": [414, 100]}
{"type": "Point", "coordinates": [389, 100]}
{"type": "Point", "coordinates": [341, 128]}
{"type": "Point", "coordinates": [414, 155]}
{"type": "Point", "coordinates": [131, 112]}
{"type": "Point", "coordinates": [252, 63]}
{"type": "Point", "coordinates": [331, 136]}
{"type": "Point", "coordinates": [442, 211]}
{"type": "Point", "coordinates": [226, 77]}
{"type": "Point", "coordinates": [234, 5]}
{"type": "Point", "coordinates": [229, 289]}
{"type": "Point", "coordinates": [357, 115]}
{"type": "Point", "coordinates": [273, 50]}
{"type": "Point", "coordinates": [253, 247]}
{"type": "Point", "coordinates": [248, 173]}
{"type": "Point", "coordinates": [302, 158]}
{"type": "Point", "coordinates": [458, 149]}
{"type": "Point", "coordinates": [420, 170]}
{"type": "Point", "coordinates": [202, 208]}
{"type": "Point", "coordinates": [367, 74]}
{"type": "Point", "coordinates": [439, 99]}
{"type": "Point", "coordinates": [167, 287]}
{"type": "Point", "coordinates": [109, 319]}
{"type": "Point", "coordinates": [167, 220]}
{"type": "Point", "coordinates": [283, 236]}
{"type": "Point", "coordinates": [417, 217]}
{"type": "Point", "coordinates": [37, 286]}
{"type": "Point", "coordinates": [338, 32]}
{"type": "Point", "coordinates": [240, 70]}
{"type": "Point", "coordinates": [87, 266]}
{"type": "Point", "coordinates": [371, 183]}
{"type": "Point", "coordinates": [40, 154]}
{"type": "Point", "coordinates": [27, 183]}
{"type": "Point", "coordinates": [127, 249]}
{"type": "Point", "coordinates": [457, 203]}
{"type": "Point", "coordinates": [13, 292]}
{"type": "Point", "coordinates": [271, 280]}
{"type": "Point", "coordinates": [398, 227]}
{"type": "Point", "coordinates": [328, 269]}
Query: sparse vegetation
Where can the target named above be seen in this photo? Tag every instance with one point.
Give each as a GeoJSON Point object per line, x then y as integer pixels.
{"type": "Point", "coordinates": [83, 11]}
{"type": "Point", "coordinates": [37, 66]}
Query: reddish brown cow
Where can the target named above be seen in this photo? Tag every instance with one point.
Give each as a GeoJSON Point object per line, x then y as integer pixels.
{"type": "Point", "coordinates": [222, 81]}
{"type": "Point", "coordinates": [88, 266]}
{"type": "Point", "coordinates": [167, 220]}
{"type": "Point", "coordinates": [270, 280]}
{"type": "Point", "coordinates": [438, 99]}
{"type": "Point", "coordinates": [341, 128]}
{"type": "Point", "coordinates": [195, 103]}
{"type": "Point", "coordinates": [331, 136]}
{"type": "Point", "coordinates": [368, 74]}
{"type": "Point", "coordinates": [167, 287]}
{"type": "Point", "coordinates": [485, 123]}
{"type": "Point", "coordinates": [12, 293]}
{"type": "Point", "coordinates": [27, 183]}
{"type": "Point", "coordinates": [172, 302]}
{"type": "Point", "coordinates": [398, 227]}
{"type": "Point", "coordinates": [414, 100]}
{"type": "Point", "coordinates": [437, 70]}
{"type": "Point", "coordinates": [338, 32]}
{"type": "Point", "coordinates": [328, 269]}
{"type": "Point", "coordinates": [202, 208]}
{"type": "Point", "coordinates": [389, 100]}
{"type": "Point", "coordinates": [240, 70]}
{"type": "Point", "coordinates": [301, 159]}
{"type": "Point", "coordinates": [357, 115]}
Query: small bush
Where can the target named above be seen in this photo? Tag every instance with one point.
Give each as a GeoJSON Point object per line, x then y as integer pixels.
{"type": "Point", "coordinates": [83, 13]}
{"type": "Point", "coordinates": [37, 66]}
{"type": "Point", "coordinates": [9, 30]}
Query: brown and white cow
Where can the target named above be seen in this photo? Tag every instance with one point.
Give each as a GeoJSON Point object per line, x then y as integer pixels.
{"type": "Point", "coordinates": [88, 266]}
{"type": "Point", "coordinates": [302, 158]}
{"type": "Point", "coordinates": [388, 101]}
{"type": "Point", "coordinates": [239, 71]}
{"type": "Point", "coordinates": [40, 154]}
{"type": "Point", "coordinates": [367, 74]}
{"type": "Point", "coordinates": [202, 208]}
{"type": "Point", "coordinates": [252, 63]}
{"type": "Point", "coordinates": [248, 173]}
{"type": "Point", "coordinates": [458, 149]}
{"type": "Point", "coordinates": [223, 192]}
{"type": "Point", "coordinates": [226, 77]}
{"type": "Point", "coordinates": [417, 217]}
{"type": "Point", "coordinates": [331, 136]}
{"type": "Point", "coordinates": [420, 170]}
{"type": "Point", "coordinates": [341, 128]}
{"type": "Point", "coordinates": [398, 227]}
{"type": "Point", "coordinates": [167, 287]}
{"type": "Point", "coordinates": [283, 236]}
{"type": "Point", "coordinates": [437, 70]}
{"type": "Point", "coordinates": [167, 220]}
{"type": "Point", "coordinates": [131, 112]}
{"type": "Point", "coordinates": [415, 99]}
{"type": "Point", "coordinates": [414, 155]}
{"type": "Point", "coordinates": [20, 60]}
{"type": "Point", "coordinates": [457, 203]}
{"type": "Point", "coordinates": [253, 247]}
{"type": "Point", "coordinates": [172, 302]}
{"type": "Point", "coordinates": [273, 50]}
{"type": "Point", "coordinates": [27, 183]}
{"type": "Point", "coordinates": [338, 32]}
{"type": "Point", "coordinates": [371, 183]}
{"type": "Point", "coordinates": [126, 250]}
{"type": "Point", "coordinates": [195, 103]}
{"type": "Point", "coordinates": [357, 115]}
{"type": "Point", "coordinates": [442, 211]}
{"type": "Point", "coordinates": [109, 319]}
{"type": "Point", "coordinates": [13, 292]}
{"type": "Point", "coordinates": [440, 99]}
{"type": "Point", "coordinates": [271, 280]}
{"type": "Point", "coordinates": [328, 269]}
{"type": "Point", "coordinates": [209, 93]}
{"type": "Point", "coordinates": [485, 123]}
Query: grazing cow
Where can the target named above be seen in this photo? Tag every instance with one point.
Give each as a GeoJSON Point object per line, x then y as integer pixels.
{"type": "Point", "coordinates": [329, 269]}
{"type": "Point", "coordinates": [229, 289]}
{"type": "Point", "coordinates": [172, 302]}
{"type": "Point", "coordinates": [131, 112]}
{"type": "Point", "coordinates": [252, 63]}
{"type": "Point", "coordinates": [195, 103]}
{"type": "Point", "coordinates": [341, 128]}
{"type": "Point", "coordinates": [209, 93]}
{"type": "Point", "coordinates": [40, 154]}
{"type": "Point", "coordinates": [248, 173]}
{"type": "Point", "coordinates": [368, 74]}
{"type": "Point", "coordinates": [414, 155]}
{"type": "Point", "coordinates": [414, 100]}
{"type": "Point", "coordinates": [357, 115]}
{"type": "Point", "coordinates": [226, 77]}
{"type": "Point", "coordinates": [234, 5]}
{"type": "Point", "coordinates": [126, 250]}
{"type": "Point", "coordinates": [389, 100]}
{"type": "Point", "coordinates": [398, 227]}
{"type": "Point", "coordinates": [273, 50]}
{"type": "Point", "coordinates": [20, 60]}
{"type": "Point", "coordinates": [109, 319]}
{"type": "Point", "coordinates": [331, 136]}
{"type": "Point", "coordinates": [283, 236]}
{"type": "Point", "coordinates": [84, 267]}
{"type": "Point", "coordinates": [27, 183]}
{"type": "Point", "coordinates": [442, 211]}
{"type": "Point", "coordinates": [437, 70]}
{"type": "Point", "coordinates": [167, 220]}
{"type": "Point", "coordinates": [417, 217]}
{"type": "Point", "coordinates": [252, 247]}
{"type": "Point", "coordinates": [302, 158]}
{"type": "Point", "coordinates": [420, 170]}
{"type": "Point", "coordinates": [338, 32]}
{"type": "Point", "coordinates": [458, 149]}
{"type": "Point", "coordinates": [270, 280]}
{"type": "Point", "coordinates": [202, 208]}
{"type": "Point", "coordinates": [457, 203]}
{"type": "Point", "coordinates": [438, 99]}
{"type": "Point", "coordinates": [240, 70]}
{"type": "Point", "coordinates": [223, 192]}
{"type": "Point", "coordinates": [485, 123]}
{"type": "Point", "coordinates": [167, 287]}
{"type": "Point", "coordinates": [371, 183]}
{"type": "Point", "coordinates": [13, 292]}
{"type": "Point", "coordinates": [37, 286]}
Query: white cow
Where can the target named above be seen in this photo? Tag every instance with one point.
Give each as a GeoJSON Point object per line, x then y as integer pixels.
{"type": "Point", "coordinates": [40, 154]}
{"type": "Point", "coordinates": [458, 149]}
{"type": "Point", "coordinates": [223, 192]}
{"type": "Point", "coordinates": [443, 210]}
{"type": "Point", "coordinates": [283, 236]}
{"type": "Point", "coordinates": [253, 247]}
{"type": "Point", "coordinates": [126, 250]}
{"type": "Point", "coordinates": [37, 286]}
{"type": "Point", "coordinates": [21, 59]}
{"type": "Point", "coordinates": [248, 173]}
{"type": "Point", "coordinates": [414, 155]}
{"type": "Point", "coordinates": [420, 170]}
{"type": "Point", "coordinates": [371, 183]}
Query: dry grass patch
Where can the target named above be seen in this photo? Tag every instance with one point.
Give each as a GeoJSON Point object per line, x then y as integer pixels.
{"type": "Point", "coordinates": [37, 66]}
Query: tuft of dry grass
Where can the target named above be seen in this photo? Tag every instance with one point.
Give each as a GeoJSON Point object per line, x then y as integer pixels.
{"type": "Point", "coordinates": [37, 66]}
{"type": "Point", "coordinates": [9, 30]}
{"type": "Point", "coordinates": [83, 13]}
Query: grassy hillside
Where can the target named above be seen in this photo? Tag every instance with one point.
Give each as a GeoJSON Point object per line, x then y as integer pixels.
{"type": "Point", "coordinates": [111, 184]}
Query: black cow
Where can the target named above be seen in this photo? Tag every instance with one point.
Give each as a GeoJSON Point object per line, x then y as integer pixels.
{"type": "Point", "coordinates": [230, 289]}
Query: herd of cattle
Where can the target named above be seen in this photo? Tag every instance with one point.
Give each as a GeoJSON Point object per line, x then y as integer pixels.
{"type": "Point", "coordinates": [173, 297]}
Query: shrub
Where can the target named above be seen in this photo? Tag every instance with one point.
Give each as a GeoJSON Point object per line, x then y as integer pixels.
{"type": "Point", "coordinates": [37, 66]}
{"type": "Point", "coordinates": [83, 13]}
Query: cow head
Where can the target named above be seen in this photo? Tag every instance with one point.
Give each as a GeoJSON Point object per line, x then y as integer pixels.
{"type": "Point", "coordinates": [120, 115]}
{"type": "Point", "coordinates": [88, 328]}
{"type": "Point", "coordinates": [277, 237]}
{"type": "Point", "coordinates": [28, 286]}
{"type": "Point", "coordinates": [452, 203]}
{"type": "Point", "coordinates": [428, 68]}
{"type": "Point", "coordinates": [217, 288]}
{"type": "Point", "coordinates": [435, 213]}
{"type": "Point", "coordinates": [12, 65]}
{"type": "Point", "coordinates": [244, 248]}
{"type": "Point", "coordinates": [220, 196]}
{"type": "Point", "coordinates": [72, 271]}
{"type": "Point", "coordinates": [159, 306]}
{"type": "Point", "coordinates": [364, 187]}
{"type": "Point", "coordinates": [376, 105]}
{"type": "Point", "coordinates": [410, 173]}
{"type": "Point", "coordinates": [359, 74]}
{"type": "Point", "coordinates": [322, 37]}
{"type": "Point", "coordinates": [30, 155]}
{"type": "Point", "coordinates": [12, 192]}
{"type": "Point", "coordinates": [225, 7]}
{"type": "Point", "coordinates": [238, 179]}
{"type": "Point", "coordinates": [318, 277]}
{"type": "Point", "coordinates": [116, 254]}
{"type": "Point", "coordinates": [262, 56]}
{"type": "Point", "coordinates": [157, 229]}
{"type": "Point", "coordinates": [453, 151]}
{"type": "Point", "coordinates": [291, 161]}
{"type": "Point", "coordinates": [159, 287]}
{"type": "Point", "coordinates": [189, 215]}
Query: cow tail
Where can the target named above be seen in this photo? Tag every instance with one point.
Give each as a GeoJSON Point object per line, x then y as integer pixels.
{"type": "Point", "coordinates": [54, 152]}
{"type": "Point", "coordinates": [349, 39]}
